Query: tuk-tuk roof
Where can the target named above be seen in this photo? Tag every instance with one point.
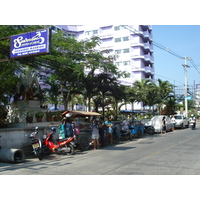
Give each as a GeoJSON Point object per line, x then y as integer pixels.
{"type": "Point", "coordinates": [80, 113]}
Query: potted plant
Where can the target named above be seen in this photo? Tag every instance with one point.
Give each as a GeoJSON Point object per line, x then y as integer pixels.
{"type": "Point", "coordinates": [57, 116]}
{"type": "Point", "coordinates": [29, 116]}
{"type": "Point", "coordinates": [39, 115]}
{"type": "Point", "coordinates": [49, 115]}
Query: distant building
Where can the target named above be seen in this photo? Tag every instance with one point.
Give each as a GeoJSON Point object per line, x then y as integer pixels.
{"type": "Point", "coordinates": [132, 44]}
{"type": "Point", "coordinates": [135, 51]}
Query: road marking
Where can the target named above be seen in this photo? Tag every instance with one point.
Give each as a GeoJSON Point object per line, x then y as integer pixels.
{"type": "Point", "coordinates": [169, 147]}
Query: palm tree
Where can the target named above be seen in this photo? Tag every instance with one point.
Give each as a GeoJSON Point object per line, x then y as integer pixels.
{"type": "Point", "coordinates": [52, 93]}
{"type": "Point", "coordinates": [164, 91]}
{"type": "Point", "coordinates": [142, 90]}
{"type": "Point", "coordinates": [118, 94]}
{"type": "Point", "coordinates": [106, 82]}
{"type": "Point", "coordinates": [131, 93]}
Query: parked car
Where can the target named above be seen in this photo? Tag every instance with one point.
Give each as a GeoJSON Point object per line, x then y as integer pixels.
{"type": "Point", "coordinates": [156, 122]}
{"type": "Point", "coordinates": [181, 121]}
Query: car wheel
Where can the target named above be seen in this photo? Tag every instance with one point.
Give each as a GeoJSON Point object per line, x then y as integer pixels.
{"type": "Point", "coordinates": [181, 126]}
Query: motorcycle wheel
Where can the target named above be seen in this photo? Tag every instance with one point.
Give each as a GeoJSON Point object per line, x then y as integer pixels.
{"type": "Point", "coordinates": [71, 149]}
{"type": "Point", "coordinates": [39, 154]}
{"type": "Point", "coordinates": [46, 150]}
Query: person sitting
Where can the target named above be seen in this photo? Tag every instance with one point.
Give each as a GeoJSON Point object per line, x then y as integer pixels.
{"type": "Point", "coordinates": [125, 125]}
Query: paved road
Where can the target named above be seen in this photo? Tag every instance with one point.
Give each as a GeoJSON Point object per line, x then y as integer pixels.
{"type": "Point", "coordinates": [173, 153]}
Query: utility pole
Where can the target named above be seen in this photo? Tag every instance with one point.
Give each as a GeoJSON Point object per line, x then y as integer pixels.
{"type": "Point", "coordinates": [186, 83]}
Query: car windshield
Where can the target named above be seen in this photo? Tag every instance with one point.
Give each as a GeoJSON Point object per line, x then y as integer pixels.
{"type": "Point", "coordinates": [178, 117]}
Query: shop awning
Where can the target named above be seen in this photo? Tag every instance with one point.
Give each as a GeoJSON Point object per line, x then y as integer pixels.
{"type": "Point", "coordinates": [80, 113]}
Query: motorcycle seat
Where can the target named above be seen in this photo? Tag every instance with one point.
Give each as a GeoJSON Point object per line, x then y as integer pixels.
{"type": "Point", "coordinates": [62, 140]}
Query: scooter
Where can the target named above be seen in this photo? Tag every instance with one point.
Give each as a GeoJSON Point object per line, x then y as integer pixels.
{"type": "Point", "coordinates": [63, 146]}
{"type": "Point", "coordinates": [36, 144]}
{"type": "Point", "coordinates": [192, 124]}
{"type": "Point", "coordinates": [123, 134]}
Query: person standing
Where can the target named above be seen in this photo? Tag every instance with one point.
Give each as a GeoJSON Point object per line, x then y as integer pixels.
{"type": "Point", "coordinates": [68, 128]}
{"type": "Point", "coordinates": [173, 120]}
{"type": "Point", "coordinates": [109, 130]}
{"type": "Point", "coordinates": [101, 131]}
{"type": "Point", "coordinates": [163, 125]}
{"type": "Point", "coordinates": [95, 133]}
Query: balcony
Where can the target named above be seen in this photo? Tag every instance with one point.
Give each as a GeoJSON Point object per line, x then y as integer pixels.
{"type": "Point", "coordinates": [146, 27]}
{"type": "Point", "coordinates": [149, 70]}
{"type": "Point", "coordinates": [105, 36]}
{"type": "Point", "coordinates": [137, 56]}
{"type": "Point", "coordinates": [148, 46]}
{"type": "Point", "coordinates": [137, 69]}
{"type": "Point", "coordinates": [107, 47]}
{"type": "Point", "coordinates": [148, 59]}
{"type": "Point", "coordinates": [147, 35]}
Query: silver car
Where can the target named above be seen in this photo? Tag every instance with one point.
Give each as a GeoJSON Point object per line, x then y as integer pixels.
{"type": "Point", "coordinates": [156, 122]}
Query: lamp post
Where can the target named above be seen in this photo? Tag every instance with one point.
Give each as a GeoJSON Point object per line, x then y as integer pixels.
{"type": "Point", "coordinates": [186, 84]}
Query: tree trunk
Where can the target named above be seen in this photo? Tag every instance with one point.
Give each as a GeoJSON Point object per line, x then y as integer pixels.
{"type": "Point", "coordinates": [103, 102]}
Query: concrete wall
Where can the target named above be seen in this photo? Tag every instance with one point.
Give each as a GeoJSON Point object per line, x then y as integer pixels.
{"type": "Point", "coordinates": [19, 137]}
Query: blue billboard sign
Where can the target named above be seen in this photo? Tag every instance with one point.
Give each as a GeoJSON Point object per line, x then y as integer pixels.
{"type": "Point", "coordinates": [29, 44]}
{"type": "Point", "coordinates": [198, 87]}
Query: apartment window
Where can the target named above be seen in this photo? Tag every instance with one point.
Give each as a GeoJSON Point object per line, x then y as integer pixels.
{"type": "Point", "coordinates": [126, 62]}
{"type": "Point", "coordinates": [118, 51]}
{"type": "Point", "coordinates": [71, 35]}
{"type": "Point", "coordinates": [118, 63]}
{"type": "Point", "coordinates": [126, 50]}
{"type": "Point", "coordinates": [117, 28]}
{"type": "Point", "coordinates": [87, 32]}
{"type": "Point", "coordinates": [125, 38]}
{"type": "Point", "coordinates": [117, 39]}
{"type": "Point", "coordinates": [95, 31]}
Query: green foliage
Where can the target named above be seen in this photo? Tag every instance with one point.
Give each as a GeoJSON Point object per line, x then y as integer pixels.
{"type": "Point", "coordinates": [30, 113]}
{"type": "Point", "coordinates": [39, 114]}
{"type": "Point", "coordinates": [65, 74]}
{"type": "Point", "coordinates": [49, 114]}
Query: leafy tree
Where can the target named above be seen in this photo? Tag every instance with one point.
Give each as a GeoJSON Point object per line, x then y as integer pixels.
{"type": "Point", "coordinates": [9, 69]}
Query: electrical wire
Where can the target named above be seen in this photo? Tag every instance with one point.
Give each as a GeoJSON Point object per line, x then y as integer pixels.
{"type": "Point", "coordinates": [163, 48]}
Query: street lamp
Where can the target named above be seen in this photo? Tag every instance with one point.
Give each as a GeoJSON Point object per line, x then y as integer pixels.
{"type": "Point", "coordinates": [186, 83]}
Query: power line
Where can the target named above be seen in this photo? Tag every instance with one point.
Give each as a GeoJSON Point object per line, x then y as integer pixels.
{"type": "Point", "coordinates": [166, 49]}
{"type": "Point", "coordinates": [163, 48]}
{"type": "Point", "coordinates": [168, 78]}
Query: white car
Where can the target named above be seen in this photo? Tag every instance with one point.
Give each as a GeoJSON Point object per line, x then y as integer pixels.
{"type": "Point", "coordinates": [181, 121]}
{"type": "Point", "coordinates": [156, 122]}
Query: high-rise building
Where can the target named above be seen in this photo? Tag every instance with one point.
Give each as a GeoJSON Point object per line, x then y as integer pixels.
{"type": "Point", "coordinates": [132, 44]}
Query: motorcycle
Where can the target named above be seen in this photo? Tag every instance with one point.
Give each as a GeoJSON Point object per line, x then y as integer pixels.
{"type": "Point", "coordinates": [127, 134]}
{"type": "Point", "coordinates": [192, 124]}
{"type": "Point", "coordinates": [63, 146]}
{"type": "Point", "coordinates": [36, 144]}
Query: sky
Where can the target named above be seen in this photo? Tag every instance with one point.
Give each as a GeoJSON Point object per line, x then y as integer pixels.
{"type": "Point", "coordinates": [184, 40]}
